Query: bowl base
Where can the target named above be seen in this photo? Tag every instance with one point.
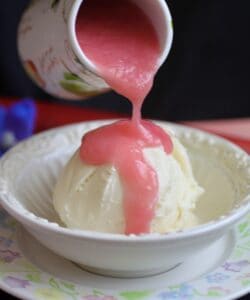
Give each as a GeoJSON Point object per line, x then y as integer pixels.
{"type": "Point", "coordinates": [57, 266]}
{"type": "Point", "coordinates": [127, 274]}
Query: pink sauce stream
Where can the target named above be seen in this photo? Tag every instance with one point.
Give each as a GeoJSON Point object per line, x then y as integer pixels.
{"type": "Point", "coordinates": [123, 45]}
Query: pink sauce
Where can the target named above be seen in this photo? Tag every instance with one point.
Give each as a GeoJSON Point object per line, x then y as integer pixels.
{"type": "Point", "coordinates": [123, 45]}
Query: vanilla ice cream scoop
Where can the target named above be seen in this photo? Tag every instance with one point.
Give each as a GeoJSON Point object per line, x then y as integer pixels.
{"type": "Point", "coordinates": [91, 197]}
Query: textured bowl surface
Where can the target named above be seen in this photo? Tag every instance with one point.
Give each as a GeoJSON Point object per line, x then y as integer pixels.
{"type": "Point", "coordinates": [29, 172]}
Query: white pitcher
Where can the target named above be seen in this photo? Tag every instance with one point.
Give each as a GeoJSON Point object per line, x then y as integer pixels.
{"type": "Point", "coordinates": [50, 52]}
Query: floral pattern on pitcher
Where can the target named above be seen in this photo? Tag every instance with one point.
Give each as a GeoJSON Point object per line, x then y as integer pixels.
{"type": "Point", "coordinates": [54, 3]}
{"type": "Point", "coordinates": [32, 71]}
{"type": "Point", "coordinates": [46, 67]}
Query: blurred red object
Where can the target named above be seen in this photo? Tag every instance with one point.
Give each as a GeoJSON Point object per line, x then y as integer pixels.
{"type": "Point", "coordinates": [53, 115]}
{"type": "Point", "coordinates": [235, 130]}
{"type": "Point", "coordinates": [50, 114]}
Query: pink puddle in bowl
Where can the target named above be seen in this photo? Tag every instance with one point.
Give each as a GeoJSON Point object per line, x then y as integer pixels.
{"type": "Point", "coordinates": [123, 45]}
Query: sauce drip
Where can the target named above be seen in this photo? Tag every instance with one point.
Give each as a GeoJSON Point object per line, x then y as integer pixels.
{"type": "Point", "coordinates": [123, 45]}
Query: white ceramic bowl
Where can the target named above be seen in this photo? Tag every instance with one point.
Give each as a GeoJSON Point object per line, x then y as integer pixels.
{"type": "Point", "coordinates": [29, 171]}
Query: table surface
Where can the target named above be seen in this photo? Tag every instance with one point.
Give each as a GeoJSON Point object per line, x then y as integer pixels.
{"type": "Point", "coordinates": [52, 115]}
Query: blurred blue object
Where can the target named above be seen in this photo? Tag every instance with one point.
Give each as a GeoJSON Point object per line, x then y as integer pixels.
{"type": "Point", "coordinates": [16, 123]}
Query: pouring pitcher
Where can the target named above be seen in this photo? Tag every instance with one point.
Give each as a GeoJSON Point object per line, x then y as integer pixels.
{"type": "Point", "coordinates": [52, 57]}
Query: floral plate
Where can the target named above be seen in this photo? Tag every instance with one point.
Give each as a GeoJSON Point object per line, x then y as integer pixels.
{"type": "Point", "coordinates": [30, 271]}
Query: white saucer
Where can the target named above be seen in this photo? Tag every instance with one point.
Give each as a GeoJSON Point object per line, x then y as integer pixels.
{"type": "Point", "coordinates": [30, 271]}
